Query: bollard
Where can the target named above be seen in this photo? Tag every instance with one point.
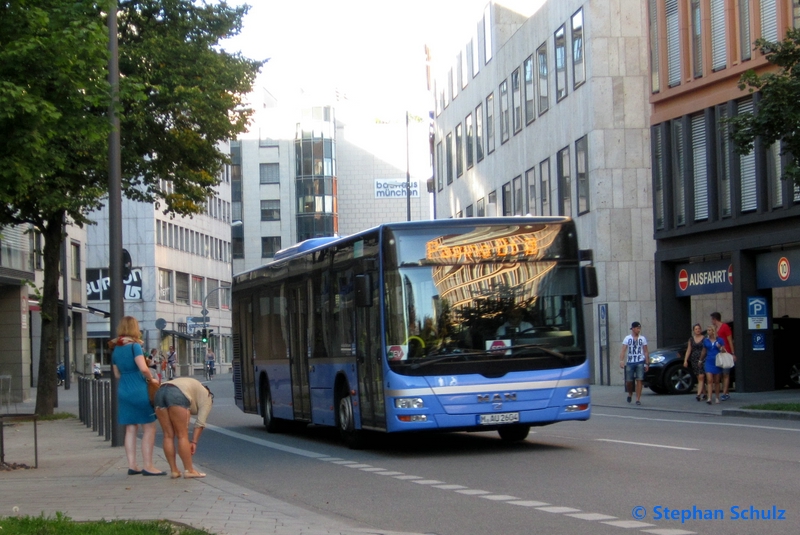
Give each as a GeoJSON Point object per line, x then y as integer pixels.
{"type": "Point", "coordinates": [107, 411]}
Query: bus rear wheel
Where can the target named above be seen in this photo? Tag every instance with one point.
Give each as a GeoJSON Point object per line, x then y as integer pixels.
{"type": "Point", "coordinates": [270, 422]}
{"type": "Point", "coordinates": [345, 421]}
{"type": "Point", "coordinates": [514, 433]}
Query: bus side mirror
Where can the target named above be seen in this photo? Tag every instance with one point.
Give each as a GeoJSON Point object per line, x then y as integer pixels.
{"type": "Point", "coordinates": [589, 281]}
{"type": "Point", "coordinates": [363, 292]}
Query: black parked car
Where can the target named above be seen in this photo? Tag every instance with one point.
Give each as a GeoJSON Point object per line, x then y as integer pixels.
{"type": "Point", "coordinates": [667, 374]}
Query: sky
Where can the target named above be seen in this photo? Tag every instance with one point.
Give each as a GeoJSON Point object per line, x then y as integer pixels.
{"type": "Point", "coordinates": [371, 50]}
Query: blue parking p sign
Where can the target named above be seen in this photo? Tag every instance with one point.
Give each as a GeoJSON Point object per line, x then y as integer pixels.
{"type": "Point", "coordinates": [759, 342]}
{"type": "Point", "coordinates": [757, 313]}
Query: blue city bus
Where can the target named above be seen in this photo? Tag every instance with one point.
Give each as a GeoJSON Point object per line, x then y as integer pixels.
{"type": "Point", "coordinates": [469, 324]}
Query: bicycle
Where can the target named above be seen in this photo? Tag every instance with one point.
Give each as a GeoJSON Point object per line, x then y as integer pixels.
{"type": "Point", "coordinates": [209, 371]}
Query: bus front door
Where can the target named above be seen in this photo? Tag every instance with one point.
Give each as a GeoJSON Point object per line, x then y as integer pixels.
{"type": "Point", "coordinates": [370, 367]}
{"type": "Point", "coordinates": [298, 354]}
{"type": "Point", "coordinates": [243, 352]}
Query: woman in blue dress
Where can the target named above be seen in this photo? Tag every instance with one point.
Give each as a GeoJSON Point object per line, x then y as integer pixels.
{"type": "Point", "coordinates": [133, 401]}
{"type": "Point", "coordinates": [712, 345]}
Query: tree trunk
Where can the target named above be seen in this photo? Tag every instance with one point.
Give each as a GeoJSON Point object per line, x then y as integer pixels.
{"type": "Point", "coordinates": [46, 389]}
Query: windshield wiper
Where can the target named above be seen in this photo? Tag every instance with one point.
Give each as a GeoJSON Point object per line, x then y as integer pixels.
{"type": "Point", "coordinates": [544, 349]}
{"type": "Point", "coordinates": [449, 356]}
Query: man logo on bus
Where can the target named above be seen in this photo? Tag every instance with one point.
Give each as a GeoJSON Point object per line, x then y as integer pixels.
{"type": "Point", "coordinates": [498, 345]}
{"type": "Point", "coordinates": [396, 353]}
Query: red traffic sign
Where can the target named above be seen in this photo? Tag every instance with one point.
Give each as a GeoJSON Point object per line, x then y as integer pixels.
{"type": "Point", "coordinates": [784, 268]}
{"type": "Point", "coordinates": [683, 280]}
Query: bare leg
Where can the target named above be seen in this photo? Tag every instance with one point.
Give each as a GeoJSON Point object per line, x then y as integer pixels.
{"type": "Point", "coordinates": [716, 385]}
{"type": "Point", "coordinates": [726, 379]}
{"type": "Point", "coordinates": [169, 441]}
{"type": "Point", "coordinates": [638, 390]}
{"type": "Point", "coordinates": [130, 446]}
{"type": "Point", "coordinates": [180, 423]}
{"type": "Point", "coordinates": [709, 385]}
{"type": "Point", "coordinates": [701, 383]}
{"type": "Point", "coordinates": [148, 445]}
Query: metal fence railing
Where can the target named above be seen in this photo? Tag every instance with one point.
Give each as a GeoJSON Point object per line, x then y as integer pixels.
{"type": "Point", "coordinates": [94, 404]}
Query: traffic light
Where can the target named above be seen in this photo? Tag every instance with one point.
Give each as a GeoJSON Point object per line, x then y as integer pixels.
{"type": "Point", "coordinates": [204, 336]}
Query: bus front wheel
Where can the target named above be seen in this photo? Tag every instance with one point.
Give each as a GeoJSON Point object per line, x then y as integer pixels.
{"type": "Point", "coordinates": [514, 433]}
{"type": "Point", "coordinates": [345, 421]}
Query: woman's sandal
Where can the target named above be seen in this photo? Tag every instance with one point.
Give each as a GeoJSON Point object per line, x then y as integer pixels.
{"type": "Point", "coordinates": [175, 475]}
{"type": "Point", "coordinates": [187, 475]}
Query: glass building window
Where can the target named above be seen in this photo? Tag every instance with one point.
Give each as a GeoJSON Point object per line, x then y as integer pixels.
{"type": "Point", "coordinates": [491, 204]}
{"type": "Point", "coordinates": [658, 176]}
{"type": "Point", "coordinates": [697, 39]}
{"type": "Point", "coordinates": [448, 147]}
{"type": "Point", "coordinates": [723, 162]}
{"type": "Point", "coordinates": [487, 33]}
{"type": "Point", "coordinates": [468, 211]}
{"type": "Point", "coordinates": [678, 172]}
{"type": "Point", "coordinates": [561, 62]}
{"type": "Point", "coordinates": [516, 102]}
{"type": "Point", "coordinates": [490, 123]}
{"type": "Point", "coordinates": [582, 174]}
{"type": "Point", "coordinates": [479, 132]}
{"type": "Point", "coordinates": [530, 94]}
{"type": "Point", "coordinates": [197, 290]}
{"type": "Point", "coordinates": [504, 113]}
{"type": "Point", "coordinates": [469, 140]}
{"type": "Point", "coordinates": [745, 40]}
{"type": "Point", "coordinates": [164, 285]}
{"type": "Point", "coordinates": [544, 186]}
{"type": "Point", "coordinates": [747, 169]}
{"type": "Point", "coordinates": [269, 173]}
{"type": "Point", "coordinates": [480, 208]}
{"type": "Point", "coordinates": [516, 186]}
{"type": "Point", "coordinates": [578, 65]}
{"type": "Point", "coordinates": [212, 296]}
{"type": "Point", "coordinates": [699, 167]}
{"type": "Point", "coordinates": [719, 49]}
{"type": "Point", "coordinates": [270, 210]}
{"type": "Point", "coordinates": [673, 43]}
{"type": "Point", "coordinates": [459, 151]}
{"type": "Point", "coordinates": [541, 74]}
{"type": "Point", "coordinates": [507, 199]}
{"type": "Point", "coordinates": [270, 245]}
{"type": "Point", "coordinates": [774, 174]}
{"type": "Point", "coordinates": [182, 288]}
{"type": "Point", "coordinates": [769, 20]}
{"type": "Point", "coordinates": [652, 20]}
{"type": "Point", "coordinates": [439, 167]}
{"type": "Point", "coordinates": [564, 182]}
{"type": "Point", "coordinates": [530, 186]}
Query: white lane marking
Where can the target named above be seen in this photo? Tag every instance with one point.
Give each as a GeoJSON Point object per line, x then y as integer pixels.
{"type": "Point", "coordinates": [668, 531]}
{"type": "Point", "coordinates": [629, 524]}
{"type": "Point", "coordinates": [397, 475]}
{"type": "Point", "coordinates": [645, 444]}
{"type": "Point", "coordinates": [592, 516]}
{"type": "Point", "coordinates": [373, 469]}
{"type": "Point", "coordinates": [529, 503]}
{"type": "Point", "coordinates": [428, 482]}
{"type": "Point", "coordinates": [449, 487]}
{"type": "Point", "coordinates": [704, 422]}
{"type": "Point", "coordinates": [499, 497]}
{"type": "Point", "coordinates": [358, 465]}
{"type": "Point", "coordinates": [556, 509]}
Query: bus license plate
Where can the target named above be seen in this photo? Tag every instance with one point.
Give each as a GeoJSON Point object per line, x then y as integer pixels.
{"type": "Point", "coordinates": [499, 418]}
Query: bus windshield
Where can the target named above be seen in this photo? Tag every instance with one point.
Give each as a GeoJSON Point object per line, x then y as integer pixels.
{"type": "Point", "coordinates": [489, 300]}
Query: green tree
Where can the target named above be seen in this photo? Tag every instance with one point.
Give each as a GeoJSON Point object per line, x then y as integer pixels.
{"type": "Point", "coordinates": [180, 96]}
{"type": "Point", "coordinates": [777, 116]}
{"type": "Point", "coordinates": [53, 100]}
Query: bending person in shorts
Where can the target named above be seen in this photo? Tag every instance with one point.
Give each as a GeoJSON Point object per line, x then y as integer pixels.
{"type": "Point", "coordinates": [635, 359]}
{"type": "Point", "coordinates": [175, 402]}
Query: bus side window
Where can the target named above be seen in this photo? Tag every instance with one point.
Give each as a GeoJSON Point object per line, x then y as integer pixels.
{"type": "Point", "coordinates": [363, 291]}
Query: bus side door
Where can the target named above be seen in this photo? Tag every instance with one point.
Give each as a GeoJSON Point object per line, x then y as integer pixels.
{"type": "Point", "coordinates": [368, 351]}
{"type": "Point", "coordinates": [298, 301]}
{"type": "Point", "coordinates": [243, 351]}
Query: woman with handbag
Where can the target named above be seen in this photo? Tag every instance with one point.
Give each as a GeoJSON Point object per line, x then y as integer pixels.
{"type": "Point", "coordinates": [713, 346]}
{"type": "Point", "coordinates": [133, 402]}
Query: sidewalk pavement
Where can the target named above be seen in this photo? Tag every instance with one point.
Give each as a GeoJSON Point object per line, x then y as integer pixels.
{"type": "Point", "coordinates": [82, 476]}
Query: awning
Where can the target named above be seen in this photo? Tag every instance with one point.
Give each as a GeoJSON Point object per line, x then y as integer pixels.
{"type": "Point", "coordinates": [76, 308]}
{"type": "Point", "coordinates": [185, 336]}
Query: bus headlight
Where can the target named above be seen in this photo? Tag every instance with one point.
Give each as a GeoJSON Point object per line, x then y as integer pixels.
{"type": "Point", "coordinates": [409, 403]}
{"type": "Point", "coordinates": [580, 392]}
